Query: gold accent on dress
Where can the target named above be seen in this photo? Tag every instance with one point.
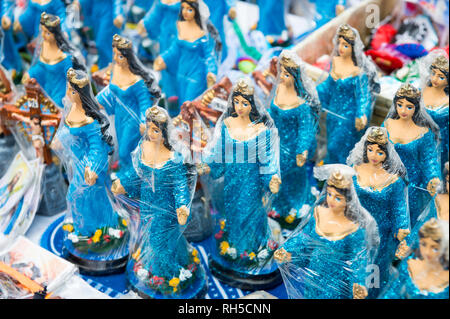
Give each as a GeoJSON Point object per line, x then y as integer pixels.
{"type": "Point", "coordinates": [441, 63]}
{"type": "Point", "coordinates": [339, 181]}
{"type": "Point", "coordinates": [244, 87]}
{"type": "Point", "coordinates": [121, 42]}
{"type": "Point", "coordinates": [408, 90]}
{"type": "Point", "coordinates": [45, 20]}
{"type": "Point", "coordinates": [52, 62]}
{"type": "Point", "coordinates": [73, 124]}
{"type": "Point", "coordinates": [346, 31]}
{"type": "Point", "coordinates": [72, 77]}
{"type": "Point", "coordinates": [378, 135]}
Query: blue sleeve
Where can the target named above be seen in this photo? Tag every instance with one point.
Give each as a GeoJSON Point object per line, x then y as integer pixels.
{"type": "Point", "coordinates": [171, 56]}
{"type": "Point", "coordinates": [118, 8]}
{"type": "Point", "coordinates": [359, 260]}
{"type": "Point", "coordinates": [7, 9]}
{"type": "Point", "coordinates": [209, 55]}
{"type": "Point", "coordinates": [130, 181]}
{"type": "Point", "coordinates": [400, 206]}
{"type": "Point", "coordinates": [144, 100]}
{"type": "Point", "coordinates": [27, 21]}
{"type": "Point", "coordinates": [363, 97]}
{"type": "Point", "coordinates": [106, 99]}
{"type": "Point", "coordinates": [324, 91]}
{"type": "Point", "coordinates": [301, 246]}
{"type": "Point", "coordinates": [98, 153]}
{"type": "Point", "coordinates": [429, 157]}
{"type": "Point", "coordinates": [216, 159]}
{"type": "Point", "coordinates": [181, 186]}
{"type": "Point", "coordinates": [152, 21]}
{"type": "Point", "coordinates": [268, 156]}
{"type": "Point", "coordinates": [35, 71]}
{"type": "Point", "coordinates": [230, 4]}
{"type": "Point", "coordinates": [307, 130]}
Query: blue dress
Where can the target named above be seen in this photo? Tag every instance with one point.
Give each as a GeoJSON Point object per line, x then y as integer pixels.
{"type": "Point", "coordinates": [297, 128]}
{"type": "Point", "coordinates": [11, 57]}
{"type": "Point", "coordinates": [161, 25]}
{"type": "Point", "coordinates": [90, 206]}
{"type": "Point", "coordinates": [31, 16]}
{"type": "Point", "coordinates": [164, 251]}
{"type": "Point", "coordinates": [244, 227]}
{"type": "Point", "coordinates": [389, 207]}
{"type": "Point", "coordinates": [271, 17]}
{"type": "Point", "coordinates": [191, 62]}
{"type": "Point", "coordinates": [52, 77]}
{"type": "Point", "coordinates": [403, 287]}
{"type": "Point", "coordinates": [99, 15]}
{"type": "Point", "coordinates": [129, 108]}
{"type": "Point", "coordinates": [349, 98]}
{"type": "Point", "coordinates": [327, 269]}
{"type": "Point", "coordinates": [440, 117]}
{"type": "Point", "coordinates": [420, 158]}
{"type": "Point", "coordinates": [326, 10]}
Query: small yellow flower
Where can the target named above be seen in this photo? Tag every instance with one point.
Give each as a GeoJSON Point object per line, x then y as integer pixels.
{"type": "Point", "coordinates": [289, 219]}
{"type": "Point", "coordinates": [174, 282]}
{"type": "Point", "coordinates": [124, 222]}
{"type": "Point", "coordinates": [252, 255]}
{"type": "Point", "coordinates": [96, 237]}
{"type": "Point", "coordinates": [195, 252]}
{"type": "Point", "coordinates": [222, 224]}
{"type": "Point", "coordinates": [94, 68]}
{"type": "Point", "coordinates": [136, 254]}
{"type": "Point", "coordinates": [68, 227]}
{"type": "Point", "coordinates": [196, 260]}
{"type": "Point", "coordinates": [224, 247]}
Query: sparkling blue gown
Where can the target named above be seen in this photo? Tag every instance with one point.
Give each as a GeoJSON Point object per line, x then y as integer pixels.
{"type": "Point", "coordinates": [297, 128]}
{"type": "Point", "coordinates": [161, 25]}
{"type": "Point", "coordinates": [52, 77]}
{"type": "Point", "coordinates": [129, 108]}
{"type": "Point", "coordinates": [31, 16]}
{"type": "Point", "coordinates": [191, 62]}
{"type": "Point", "coordinates": [327, 268]}
{"type": "Point", "coordinates": [271, 17]}
{"type": "Point", "coordinates": [420, 158]}
{"type": "Point", "coordinates": [11, 57]}
{"type": "Point", "coordinates": [164, 250]}
{"type": "Point", "coordinates": [389, 207]}
{"type": "Point", "coordinates": [90, 206]}
{"type": "Point", "coordinates": [349, 98]}
{"type": "Point", "coordinates": [246, 181]}
{"type": "Point", "coordinates": [440, 117]}
{"type": "Point", "coordinates": [403, 287]}
{"type": "Point", "coordinates": [99, 15]}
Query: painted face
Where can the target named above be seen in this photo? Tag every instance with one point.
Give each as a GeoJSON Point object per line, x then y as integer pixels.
{"type": "Point", "coordinates": [429, 250]}
{"type": "Point", "coordinates": [119, 58]}
{"type": "Point", "coordinates": [154, 133]}
{"type": "Point", "coordinates": [242, 106]}
{"type": "Point", "coordinates": [437, 78]}
{"type": "Point", "coordinates": [375, 154]}
{"type": "Point", "coordinates": [285, 77]}
{"type": "Point", "coordinates": [72, 95]}
{"type": "Point", "coordinates": [187, 11]}
{"type": "Point", "coordinates": [345, 48]}
{"type": "Point", "coordinates": [47, 35]}
{"type": "Point", "coordinates": [35, 122]}
{"type": "Point", "coordinates": [405, 109]}
{"type": "Point", "coordinates": [335, 200]}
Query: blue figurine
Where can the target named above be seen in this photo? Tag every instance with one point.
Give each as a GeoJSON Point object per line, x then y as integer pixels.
{"type": "Point", "coordinates": [193, 54]}
{"type": "Point", "coordinates": [327, 10]}
{"type": "Point", "coordinates": [164, 265]}
{"type": "Point", "coordinates": [160, 24]}
{"type": "Point", "coordinates": [272, 17]}
{"type": "Point", "coordinates": [245, 153]}
{"type": "Point", "coordinates": [381, 185]}
{"type": "Point", "coordinates": [424, 274]}
{"type": "Point", "coordinates": [28, 21]}
{"type": "Point", "coordinates": [11, 58]}
{"type": "Point", "coordinates": [53, 59]}
{"type": "Point", "coordinates": [131, 91]}
{"type": "Point", "coordinates": [347, 95]}
{"type": "Point", "coordinates": [416, 139]}
{"type": "Point", "coordinates": [327, 256]}
{"type": "Point", "coordinates": [295, 110]}
{"type": "Point", "coordinates": [96, 236]}
{"type": "Point", "coordinates": [106, 18]}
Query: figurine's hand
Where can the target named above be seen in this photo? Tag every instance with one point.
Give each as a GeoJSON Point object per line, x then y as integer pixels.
{"type": "Point", "coordinates": [142, 128]}
{"type": "Point", "coordinates": [89, 176]}
{"type": "Point", "coordinates": [360, 123]}
{"type": "Point", "coordinates": [232, 13]}
{"type": "Point", "coordinates": [359, 292]}
{"type": "Point", "coordinates": [140, 28]}
{"type": "Point", "coordinates": [301, 158]}
{"type": "Point", "coordinates": [339, 9]}
{"type": "Point", "coordinates": [402, 233]}
{"type": "Point", "coordinates": [210, 79]}
{"type": "Point", "coordinates": [282, 256]}
{"type": "Point", "coordinates": [159, 64]}
{"type": "Point", "coordinates": [432, 186]}
{"type": "Point", "coordinates": [17, 27]}
{"type": "Point", "coordinates": [6, 23]}
{"type": "Point", "coordinates": [402, 250]}
{"type": "Point", "coordinates": [182, 214]}
{"type": "Point", "coordinates": [117, 188]}
{"type": "Point", "coordinates": [274, 184]}
{"type": "Point", "coordinates": [25, 78]}
{"type": "Point", "coordinates": [203, 169]}
{"type": "Point", "coordinates": [118, 21]}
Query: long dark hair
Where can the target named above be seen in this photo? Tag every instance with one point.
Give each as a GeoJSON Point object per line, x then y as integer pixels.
{"type": "Point", "coordinates": [432, 67]}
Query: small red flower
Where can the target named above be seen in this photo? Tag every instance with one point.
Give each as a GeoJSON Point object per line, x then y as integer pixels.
{"type": "Point", "coordinates": [273, 214]}
{"type": "Point", "coordinates": [120, 234]}
{"type": "Point", "coordinates": [137, 266]}
{"type": "Point", "coordinates": [219, 235]}
{"type": "Point", "coordinates": [272, 244]}
{"type": "Point", "coordinates": [157, 280]}
{"type": "Point", "coordinates": [89, 241]}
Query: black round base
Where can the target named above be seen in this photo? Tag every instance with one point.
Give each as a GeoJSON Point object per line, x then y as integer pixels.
{"type": "Point", "coordinates": [200, 295]}
{"type": "Point", "coordinates": [245, 281]}
{"type": "Point", "coordinates": [98, 268]}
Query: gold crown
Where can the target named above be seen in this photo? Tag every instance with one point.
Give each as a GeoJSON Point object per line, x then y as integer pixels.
{"type": "Point", "coordinates": [72, 76]}
{"type": "Point", "coordinates": [441, 63]}
{"type": "Point", "coordinates": [408, 90]}
{"type": "Point", "coordinates": [377, 135]}
{"type": "Point", "coordinates": [244, 87]}
{"type": "Point", "coordinates": [288, 62]}
{"type": "Point", "coordinates": [156, 114]}
{"type": "Point", "coordinates": [338, 180]}
{"type": "Point", "coordinates": [346, 31]}
{"type": "Point", "coordinates": [431, 230]}
{"type": "Point", "coordinates": [46, 20]}
{"type": "Point", "coordinates": [121, 42]}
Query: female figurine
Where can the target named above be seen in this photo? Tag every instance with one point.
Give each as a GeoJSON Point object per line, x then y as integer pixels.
{"type": "Point", "coordinates": [12, 60]}
{"type": "Point", "coordinates": [131, 91]}
{"type": "Point", "coordinates": [272, 18]}
{"type": "Point", "coordinates": [424, 274]}
{"type": "Point", "coordinates": [347, 94]}
{"type": "Point", "coordinates": [160, 24]}
{"type": "Point", "coordinates": [96, 236]}
{"type": "Point", "coordinates": [106, 18]}
{"type": "Point", "coordinates": [193, 54]}
{"type": "Point", "coordinates": [435, 97]}
{"type": "Point", "coordinates": [295, 111]}
{"type": "Point", "coordinates": [53, 59]}
{"type": "Point", "coordinates": [164, 265]}
{"type": "Point", "coordinates": [244, 152]}
{"type": "Point", "coordinates": [416, 139]}
{"type": "Point", "coordinates": [380, 183]}
{"type": "Point", "coordinates": [327, 255]}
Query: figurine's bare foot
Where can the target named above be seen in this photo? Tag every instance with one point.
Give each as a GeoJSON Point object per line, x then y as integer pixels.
{"type": "Point", "coordinates": [301, 158]}
{"type": "Point", "coordinates": [274, 184]}
{"type": "Point", "coordinates": [282, 256]}
{"type": "Point", "coordinates": [432, 186]}
{"type": "Point", "coordinates": [182, 214]}
{"type": "Point", "coordinates": [359, 292]}
{"type": "Point", "coordinates": [117, 188]}
{"type": "Point", "coordinates": [402, 233]}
